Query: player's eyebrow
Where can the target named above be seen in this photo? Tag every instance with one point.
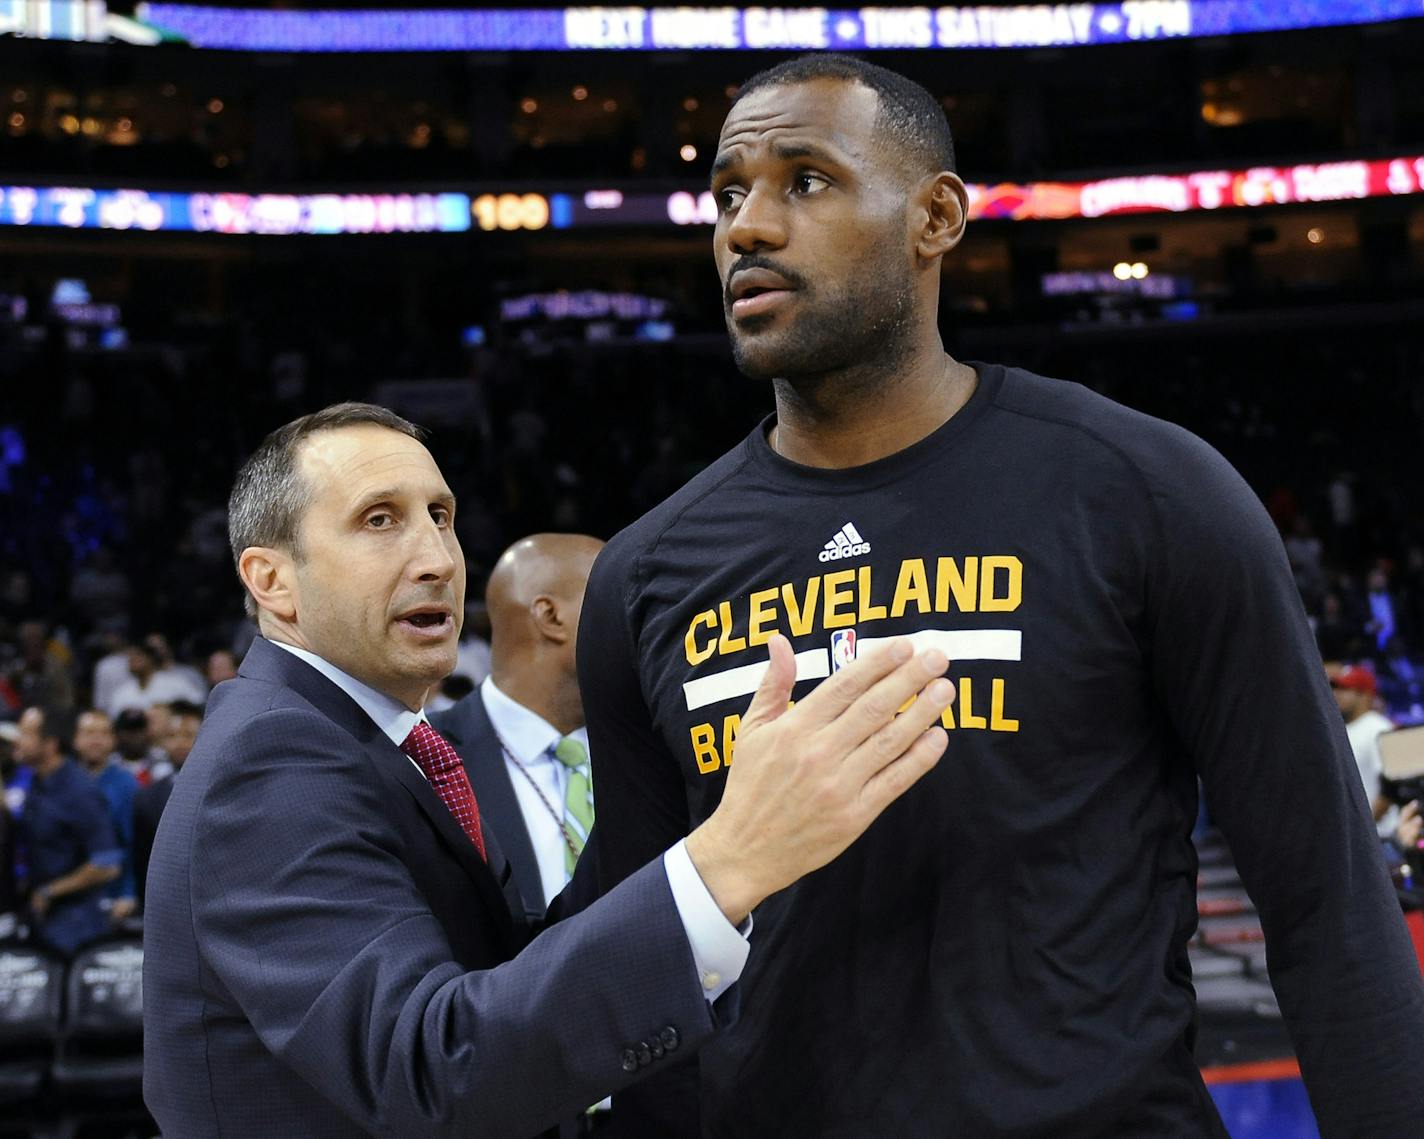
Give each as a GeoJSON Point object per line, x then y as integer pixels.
{"type": "Point", "coordinates": [783, 152]}
{"type": "Point", "coordinates": [724, 162]}
{"type": "Point", "coordinates": [790, 150]}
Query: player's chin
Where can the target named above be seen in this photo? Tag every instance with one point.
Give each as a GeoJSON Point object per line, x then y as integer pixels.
{"type": "Point", "coordinates": [759, 357]}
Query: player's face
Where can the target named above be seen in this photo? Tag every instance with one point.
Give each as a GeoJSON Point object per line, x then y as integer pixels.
{"type": "Point", "coordinates": [812, 245]}
{"type": "Point", "coordinates": [379, 576]}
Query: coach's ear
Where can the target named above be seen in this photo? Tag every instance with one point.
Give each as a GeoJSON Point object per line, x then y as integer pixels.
{"type": "Point", "coordinates": [267, 573]}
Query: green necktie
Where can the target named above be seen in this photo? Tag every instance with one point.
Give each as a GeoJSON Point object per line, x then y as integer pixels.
{"type": "Point", "coordinates": [578, 798]}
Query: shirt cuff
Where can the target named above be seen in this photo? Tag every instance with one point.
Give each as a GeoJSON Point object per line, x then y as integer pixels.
{"type": "Point", "coordinates": [719, 949]}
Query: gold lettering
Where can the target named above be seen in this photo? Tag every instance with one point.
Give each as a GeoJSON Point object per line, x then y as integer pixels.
{"type": "Point", "coordinates": [763, 611]}
{"type": "Point", "coordinates": [836, 597]}
{"type": "Point", "coordinates": [998, 722]}
{"type": "Point", "coordinates": [727, 643]}
{"type": "Point", "coordinates": [990, 600]}
{"type": "Point", "coordinates": [704, 749]}
{"type": "Point", "coordinates": [730, 727]}
{"type": "Point", "coordinates": [695, 655]}
{"type": "Point", "coordinates": [947, 718]}
{"type": "Point", "coordinates": [801, 618]}
{"type": "Point", "coordinates": [949, 580]}
{"type": "Point", "coordinates": [967, 718]}
{"type": "Point", "coordinates": [868, 612]}
{"type": "Point", "coordinates": [912, 585]}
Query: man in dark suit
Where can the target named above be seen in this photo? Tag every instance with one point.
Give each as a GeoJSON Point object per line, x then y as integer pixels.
{"type": "Point", "coordinates": [521, 733]}
{"type": "Point", "coordinates": [328, 953]}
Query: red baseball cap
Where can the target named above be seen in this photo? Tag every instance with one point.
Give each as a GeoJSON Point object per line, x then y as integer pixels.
{"type": "Point", "coordinates": [1354, 676]}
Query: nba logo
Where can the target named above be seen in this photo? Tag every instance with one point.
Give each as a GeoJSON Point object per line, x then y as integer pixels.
{"type": "Point", "coordinates": [842, 648]}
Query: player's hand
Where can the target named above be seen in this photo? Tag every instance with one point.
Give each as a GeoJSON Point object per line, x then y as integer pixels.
{"type": "Point", "coordinates": [809, 780]}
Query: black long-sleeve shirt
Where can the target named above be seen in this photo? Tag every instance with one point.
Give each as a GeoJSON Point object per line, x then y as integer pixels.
{"type": "Point", "coordinates": [1004, 952]}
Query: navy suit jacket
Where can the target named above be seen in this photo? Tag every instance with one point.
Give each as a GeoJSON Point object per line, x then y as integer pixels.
{"type": "Point", "coordinates": [327, 955]}
{"type": "Point", "coordinates": [467, 726]}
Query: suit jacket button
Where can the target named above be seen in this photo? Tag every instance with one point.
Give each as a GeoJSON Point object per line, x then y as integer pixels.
{"type": "Point", "coordinates": [630, 1060]}
{"type": "Point", "coordinates": [670, 1039]}
{"type": "Point", "coordinates": [655, 1045]}
{"type": "Point", "coordinates": [645, 1055]}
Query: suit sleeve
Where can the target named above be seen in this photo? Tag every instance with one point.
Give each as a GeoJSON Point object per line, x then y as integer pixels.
{"type": "Point", "coordinates": [313, 925]}
{"type": "Point", "coordinates": [1235, 664]}
{"type": "Point", "coordinates": [640, 802]}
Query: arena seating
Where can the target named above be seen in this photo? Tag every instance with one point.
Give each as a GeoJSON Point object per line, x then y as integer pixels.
{"type": "Point", "coordinates": [71, 1038]}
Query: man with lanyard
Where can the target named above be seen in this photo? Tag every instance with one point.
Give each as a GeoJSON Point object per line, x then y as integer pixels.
{"type": "Point", "coordinates": [521, 734]}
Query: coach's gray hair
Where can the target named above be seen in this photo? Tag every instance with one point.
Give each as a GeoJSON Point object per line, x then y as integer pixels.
{"type": "Point", "coordinates": [270, 496]}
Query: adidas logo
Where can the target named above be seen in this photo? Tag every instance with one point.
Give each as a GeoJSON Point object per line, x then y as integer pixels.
{"type": "Point", "coordinates": [846, 544]}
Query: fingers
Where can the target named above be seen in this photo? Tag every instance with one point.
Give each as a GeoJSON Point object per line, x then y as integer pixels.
{"type": "Point", "coordinates": [897, 777]}
{"type": "Point", "coordinates": [833, 696]}
{"type": "Point", "coordinates": [876, 707]}
{"type": "Point", "coordinates": [887, 742]}
{"type": "Point", "coordinates": [774, 692]}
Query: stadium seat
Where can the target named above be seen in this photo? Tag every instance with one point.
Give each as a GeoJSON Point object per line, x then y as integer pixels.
{"type": "Point", "coordinates": [31, 997]}
{"type": "Point", "coordinates": [100, 1054]}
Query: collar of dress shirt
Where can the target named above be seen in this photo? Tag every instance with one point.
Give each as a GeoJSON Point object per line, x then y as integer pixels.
{"type": "Point", "coordinates": [528, 736]}
{"type": "Point", "coordinates": [393, 718]}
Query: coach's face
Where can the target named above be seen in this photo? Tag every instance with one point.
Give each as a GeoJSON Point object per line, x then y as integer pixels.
{"type": "Point", "coordinates": [813, 242]}
{"type": "Point", "coordinates": [377, 582]}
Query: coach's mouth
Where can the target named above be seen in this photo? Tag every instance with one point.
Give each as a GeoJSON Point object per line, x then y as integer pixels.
{"type": "Point", "coordinates": [430, 622]}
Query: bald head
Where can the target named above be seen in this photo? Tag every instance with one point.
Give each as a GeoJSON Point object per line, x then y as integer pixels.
{"type": "Point", "coordinates": [534, 598]}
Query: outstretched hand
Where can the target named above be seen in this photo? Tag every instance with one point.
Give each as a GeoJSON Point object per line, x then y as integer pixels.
{"type": "Point", "coordinates": [809, 780]}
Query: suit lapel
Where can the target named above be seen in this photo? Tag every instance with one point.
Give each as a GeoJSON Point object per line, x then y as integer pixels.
{"type": "Point", "coordinates": [487, 873]}
{"type": "Point", "coordinates": [269, 663]}
{"type": "Point", "coordinates": [467, 726]}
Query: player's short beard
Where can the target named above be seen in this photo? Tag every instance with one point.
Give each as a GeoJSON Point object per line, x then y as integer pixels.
{"type": "Point", "coordinates": [866, 321]}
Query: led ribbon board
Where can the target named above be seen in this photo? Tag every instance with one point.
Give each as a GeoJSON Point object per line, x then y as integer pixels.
{"type": "Point", "coordinates": [687, 29]}
{"type": "Point", "coordinates": [287, 214]}
{"type": "Point", "coordinates": [78, 208]}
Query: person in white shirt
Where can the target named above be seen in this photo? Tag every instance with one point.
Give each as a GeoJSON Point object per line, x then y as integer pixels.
{"type": "Point", "coordinates": [152, 680]}
{"type": "Point", "coordinates": [521, 734]}
{"type": "Point", "coordinates": [1355, 690]}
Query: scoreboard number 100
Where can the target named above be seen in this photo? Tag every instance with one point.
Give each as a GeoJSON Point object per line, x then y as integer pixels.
{"type": "Point", "coordinates": [511, 211]}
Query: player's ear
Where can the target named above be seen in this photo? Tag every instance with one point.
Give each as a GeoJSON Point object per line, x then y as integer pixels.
{"type": "Point", "coordinates": [942, 216]}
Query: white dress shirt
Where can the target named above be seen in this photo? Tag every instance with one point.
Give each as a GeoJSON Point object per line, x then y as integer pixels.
{"type": "Point", "coordinates": [527, 741]}
{"type": "Point", "coordinates": [719, 949]}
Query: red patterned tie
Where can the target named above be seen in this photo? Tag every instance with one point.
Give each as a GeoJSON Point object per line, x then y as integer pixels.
{"type": "Point", "coordinates": [442, 766]}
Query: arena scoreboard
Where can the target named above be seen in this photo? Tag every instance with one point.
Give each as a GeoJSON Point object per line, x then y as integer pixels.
{"type": "Point", "coordinates": [513, 210]}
